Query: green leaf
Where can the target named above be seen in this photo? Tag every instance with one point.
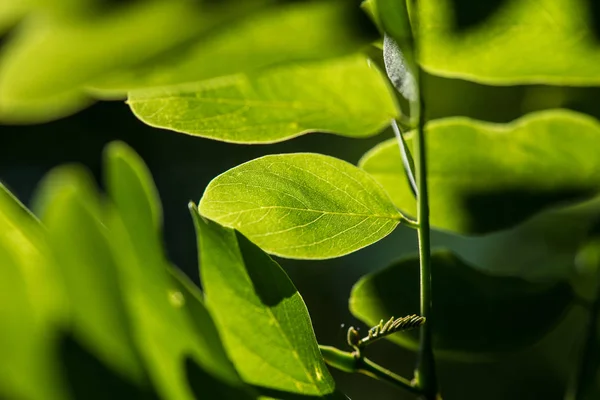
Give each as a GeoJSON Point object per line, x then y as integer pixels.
{"type": "Point", "coordinates": [175, 336]}
{"type": "Point", "coordinates": [84, 259]}
{"type": "Point", "coordinates": [301, 205]}
{"type": "Point", "coordinates": [527, 41]}
{"type": "Point", "coordinates": [27, 369]}
{"type": "Point", "coordinates": [44, 66]}
{"type": "Point", "coordinates": [293, 32]}
{"type": "Point", "coordinates": [25, 240]}
{"type": "Point", "coordinates": [10, 12]}
{"type": "Point", "coordinates": [540, 160]}
{"type": "Point", "coordinates": [261, 316]}
{"type": "Point", "coordinates": [346, 96]}
{"type": "Point", "coordinates": [473, 314]}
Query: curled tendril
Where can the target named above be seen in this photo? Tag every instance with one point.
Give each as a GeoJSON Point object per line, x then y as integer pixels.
{"type": "Point", "coordinates": [383, 329]}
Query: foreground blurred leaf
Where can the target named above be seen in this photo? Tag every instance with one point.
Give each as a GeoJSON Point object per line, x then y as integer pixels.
{"type": "Point", "coordinates": [485, 177]}
{"type": "Point", "coordinates": [526, 41]}
{"type": "Point", "coordinates": [10, 12]}
{"type": "Point", "coordinates": [261, 316]}
{"type": "Point", "coordinates": [174, 333]}
{"type": "Point", "coordinates": [301, 205]}
{"type": "Point", "coordinates": [44, 66]}
{"type": "Point", "coordinates": [27, 370]}
{"type": "Point", "coordinates": [474, 314]}
{"type": "Point", "coordinates": [346, 96]}
{"type": "Point", "coordinates": [25, 240]}
{"type": "Point", "coordinates": [288, 33]}
{"type": "Point", "coordinates": [80, 243]}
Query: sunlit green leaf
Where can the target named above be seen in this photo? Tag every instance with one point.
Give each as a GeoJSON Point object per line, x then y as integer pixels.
{"type": "Point", "coordinates": [526, 41]}
{"type": "Point", "coordinates": [301, 205]}
{"type": "Point", "coordinates": [541, 160]}
{"type": "Point", "coordinates": [261, 316]}
{"type": "Point", "coordinates": [25, 240]}
{"type": "Point", "coordinates": [348, 96]}
{"type": "Point", "coordinates": [473, 314]}
{"type": "Point", "coordinates": [292, 32]}
{"type": "Point", "coordinates": [44, 66]}
{"type": "Point", "coordinates": [177, 340]}
{"type": "Point", "coordinates": [27, 369]}
{"type": "Point", "coordinates": [80, 243]}
{"type": "Point", "coordinates": [10, 12]}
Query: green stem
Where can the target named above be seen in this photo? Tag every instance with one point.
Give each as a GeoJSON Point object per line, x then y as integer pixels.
{"type": "Point", "coordinates": [369, 368]}
{"type": "Point", "coordinates": [425, 373]}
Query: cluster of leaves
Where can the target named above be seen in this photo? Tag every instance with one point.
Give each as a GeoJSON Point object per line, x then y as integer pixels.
{"type": "Point", "coordinates": [260, 72]}
{"type": "Point", "coordinates": [90, 280]}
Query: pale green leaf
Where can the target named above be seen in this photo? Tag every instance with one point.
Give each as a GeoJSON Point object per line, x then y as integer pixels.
{"type": "Point", "coordinates": [348, 96]}
{"type": "Point", "coordinates": [474, 315]}
{"type": "Point", "coordinates": [44, 66]}
{"type": "Point", "coordinates": [176, 337]}
{"type": "Point", "coordinates": [262, 318]}
{"type": "Point", "coordinates": [25, 345]}
{"type": "Point", "coordinates": [485, 177]}
{"type": "Point", "coordinates": [301, 205]}
{"type": "Point", "coordinates": [526, 41]}
{"type": "Point", "coordinates": [291, 32]}
{"type": "Point", "coordinates": [84, 260]}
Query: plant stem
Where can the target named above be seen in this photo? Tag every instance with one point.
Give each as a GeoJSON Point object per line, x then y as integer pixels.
{"type": "Point", "coordinates": [425, 373]}
{"type": "Point", "coordinates": [369, 368]}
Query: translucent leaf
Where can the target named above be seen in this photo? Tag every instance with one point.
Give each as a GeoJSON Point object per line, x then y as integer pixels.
{"type": "Point", "coordinates": [347, 96]}
{"type": "Point", "coordinates": [261, 316]}
{"type": "Point", "coordinates": [44, 66]}
{"type": "Point", "coordinates": [526, 41]}
{"type": "Point", "coordinates": [176, 337]}
{"type": "Point", "coordinates": [485, 177]}
{"type": "Point", "coordinates": [301, 205]}
{"type": "Point", "coordinates": [474, 315]}
{"type": "Point", "coordinates": [84, 259]}
{"type": "Point", "coordinates": [292, 32]}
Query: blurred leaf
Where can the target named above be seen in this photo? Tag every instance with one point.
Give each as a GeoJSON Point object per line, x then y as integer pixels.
{"type": "Point", "coordinates": [301, 205]}
{"type": "Point", "coordinates": [173, 331]}
{"type": "Point", "coordinates": [44, 66]}
{"type": "Point", "coordinates": [527, 41]}
{"type": "Point", "coordinates": [538, 161]}
{"type": "Point", "coordinates": [293, 32]}
{"type": "Point", "coordinates": [25, 240]}
{"type": "Point", "coordinates": [262, 318]}
{"type": "Point", "coordinates": [10, 12]}
{"type": "Point", "coordinates": [346, 96]}
{"type": "Point", "coordinates": [80, 243]}
{"type": "Point", "coordinates": [27, 370]}
{"type": "Point", "coordinates": [473, 314]}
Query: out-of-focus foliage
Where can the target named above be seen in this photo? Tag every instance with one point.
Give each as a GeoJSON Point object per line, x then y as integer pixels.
{"type": "Point", "coordinates": [524, 41]}
{"type": "Point", "coordinates": [60, 49]}
{"type": "Point", "coordinates": [516, 169]}
{"type": "Point", "coordinates": [128, 325]}
{"type": "Point", "coordinates": [475, 315]}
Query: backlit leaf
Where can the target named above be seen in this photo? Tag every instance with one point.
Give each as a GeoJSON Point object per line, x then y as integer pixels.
{"type": "Point", "coordinates": [261, 316]}
{"type": "Point", "coordinates": [540, 160]}
{"type": "Point", "coordinates": [525, 41]}
{"type": "Point", "coordinates": [177, 340]}
{"type": "Point", "coordinates": [473, 314]}
{"type": "Point", "coordinates": [301, 205]}
{"type": "Point", "coordinates": [347, 96]}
